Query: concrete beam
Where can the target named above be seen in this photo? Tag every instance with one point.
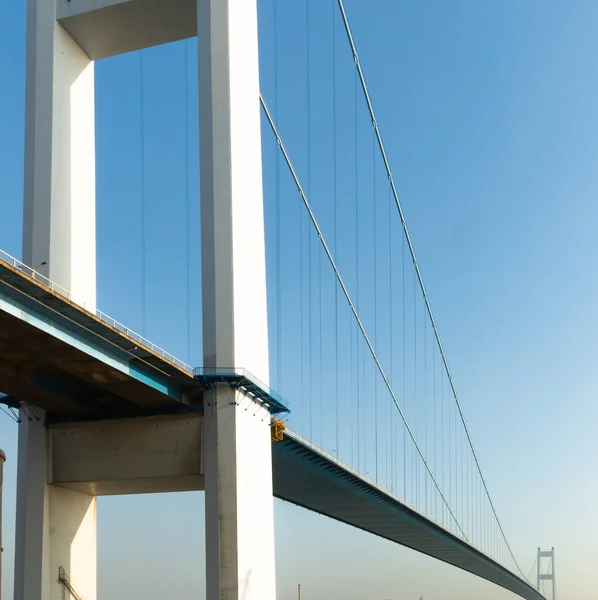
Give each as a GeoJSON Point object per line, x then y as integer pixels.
{"type": "Point", "coordinates": [128, 456]}
{"type": "Point", "coordinates": [109, 27]}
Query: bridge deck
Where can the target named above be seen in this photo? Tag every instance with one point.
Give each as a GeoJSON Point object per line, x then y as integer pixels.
{"type": "Point", "coordinates": [60, 357]}
{"type": "Point", "coordinates": [65, 359]}
{"type": "Point", "coordinates": [309, 477]}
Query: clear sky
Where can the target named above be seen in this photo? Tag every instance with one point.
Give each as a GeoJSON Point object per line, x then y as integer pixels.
{"type": "Point", "coordinates": [488, 113]}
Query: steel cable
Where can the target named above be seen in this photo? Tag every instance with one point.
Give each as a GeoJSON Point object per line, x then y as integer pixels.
{"type": "Point", "coordinates": [416, 267]}
{"type": "Point", "coordinates": [348, 296]}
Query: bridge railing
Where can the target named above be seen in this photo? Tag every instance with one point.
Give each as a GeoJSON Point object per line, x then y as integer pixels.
{"type": "Point", "coordinates": [58, 289]}
{"type": "Point", "coordinates": [17, 264]}
{"type": "Point", "coordinates": [143, 341]}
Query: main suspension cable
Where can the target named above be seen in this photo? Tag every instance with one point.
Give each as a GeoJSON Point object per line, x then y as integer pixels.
{"type": "Point", "coordinates": [350, 301]}
{"type": "Point", "coordinates": [416, 265]}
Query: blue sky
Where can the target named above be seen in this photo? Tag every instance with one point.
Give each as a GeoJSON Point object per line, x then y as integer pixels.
{"type": "Point", "coordinates": [488, 113]}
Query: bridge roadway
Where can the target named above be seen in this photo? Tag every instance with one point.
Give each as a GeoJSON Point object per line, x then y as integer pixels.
{"type": "Point", "coordinates": [56, 355]}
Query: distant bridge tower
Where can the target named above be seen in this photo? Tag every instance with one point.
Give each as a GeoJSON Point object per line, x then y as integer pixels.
{"type": "Point", "coordinates": [549, 576]}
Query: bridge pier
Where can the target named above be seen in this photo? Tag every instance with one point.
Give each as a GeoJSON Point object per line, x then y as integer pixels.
{"type": "Point", "coordinates": [55, 526]}
{"type": "Point", "coordinates": [239, 502]}
{"type": "Point", "coordinates": [226, 451]}
{"type": "Point", "coordinates": [62, 468]}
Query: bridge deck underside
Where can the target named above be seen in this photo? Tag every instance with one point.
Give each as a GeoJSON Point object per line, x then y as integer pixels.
{"type": "Point", "coordinates": [307, 477]}
{"type": "Point", "coordinates": [41, 365]}
{"type": "Point", "coordinates": [46, 372]}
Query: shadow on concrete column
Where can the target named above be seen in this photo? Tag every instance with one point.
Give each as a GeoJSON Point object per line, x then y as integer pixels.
{"type": "Point", "coordinates": [2, 460]}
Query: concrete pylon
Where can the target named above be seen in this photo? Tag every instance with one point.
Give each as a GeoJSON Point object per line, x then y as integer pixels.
{"type": "Point", "coordinates": [2, 461]}
{"type": "Point", "coordinates": [56, 523]}
{"type": "Point", "coordinates": [59, 185]}
{"type": "Point", "coordinates": [237, 446]}
{"type": "Point", "coordinates": [240, 563]}
{"type": "Point", "coordinates": [55, 527]}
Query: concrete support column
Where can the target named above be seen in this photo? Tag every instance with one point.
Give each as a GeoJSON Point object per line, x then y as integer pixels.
{"type": "Point", "coordinates": [237, 448]}
{"type": "Point", "coordinates": [55, 527]}
{"type": "Point", "coordinates": [235, 325]}
{"type": "Point", "coordinates": [240, 561]}
{"type": "Point", "coordinates": [2, 461]}
{"type": "Point", "coordinates": [59, 186]}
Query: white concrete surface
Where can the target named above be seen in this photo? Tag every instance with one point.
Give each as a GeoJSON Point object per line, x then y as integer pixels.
{"type": "Point", "coordinates": [237, 448]}
{"type": "Point", "coordinates": [59, 184]}
{"type": "Point", "coordinates": [235, 328]}
{"type": "Point", "coordinates": [54, 527]}
{"type": "Point", "coordinates": [128, 456]}
{"type": "Point", "coordinates": [110, 27]}
{"type": "Point", "coordinates": [73, 542]}
{"type": "Point", "coordinates": [31, 519]}
{"type": "Point", "coordinates": [240, 563]}
{"type": "Point", "coordinates": [2, 461]}
{"type": "Point", "coordinates": [62, 467]}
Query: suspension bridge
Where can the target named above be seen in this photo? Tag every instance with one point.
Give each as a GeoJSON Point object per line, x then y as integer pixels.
{"type": "Point", "coordinates": [322, 379]}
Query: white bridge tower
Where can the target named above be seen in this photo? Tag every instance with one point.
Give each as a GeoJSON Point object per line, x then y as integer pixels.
{"type": "Point", "coordinates": [229, 446]}
{"type": "Point", "coordinates": [548, 576]}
